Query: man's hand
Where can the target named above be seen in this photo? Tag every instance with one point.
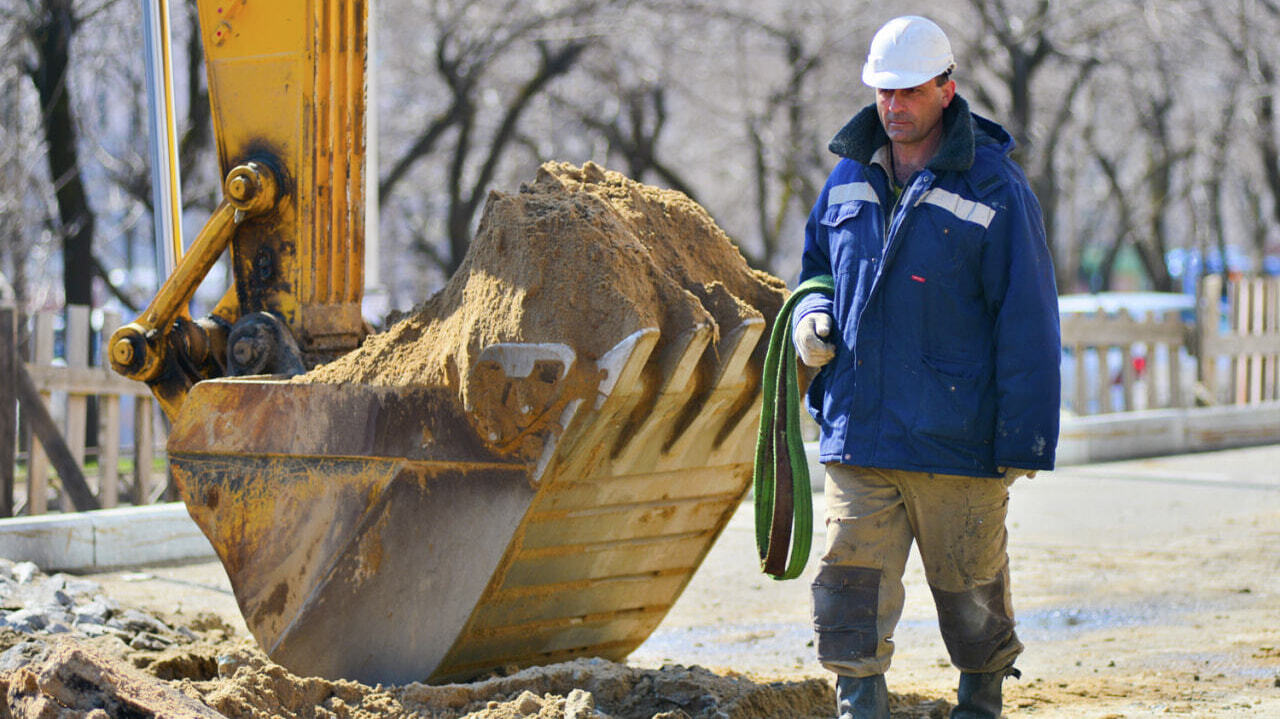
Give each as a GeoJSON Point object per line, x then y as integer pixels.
{"type": "Point", "coordinates": [810, 339]}
{"type": "Point", "coordinates": [1012, 473]}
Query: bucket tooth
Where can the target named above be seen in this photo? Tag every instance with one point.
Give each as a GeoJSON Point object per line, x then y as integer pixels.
{"type": "Point", "coordinates": [640, 446]}
{"type": "Point", "coordinates": [731, 386]}
{"type": "Point", "coordinates": [620, 391]}
{"type": "Point", "coordinates": [623, 364]}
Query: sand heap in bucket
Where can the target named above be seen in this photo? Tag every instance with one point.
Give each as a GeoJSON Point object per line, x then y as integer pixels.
{"type": "Point", "coordinates": [581, 256]}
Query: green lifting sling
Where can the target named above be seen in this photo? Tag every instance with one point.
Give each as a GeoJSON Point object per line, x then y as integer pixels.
{"type": "Point", "coordinates": [783, 496]}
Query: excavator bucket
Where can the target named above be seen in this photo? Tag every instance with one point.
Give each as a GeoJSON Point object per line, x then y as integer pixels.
{"type": "Point", "coordinates": [542, 492]}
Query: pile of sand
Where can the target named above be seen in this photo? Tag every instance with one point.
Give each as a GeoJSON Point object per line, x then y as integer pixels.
{"type": "Point", "coordinates": [581, 256]}
{"type": "Point", "coordinates": [202, 669]}
{"type": "Point", "coordinates": [582, 689]}
{"type": "Point", "coordinates": [68, 677]}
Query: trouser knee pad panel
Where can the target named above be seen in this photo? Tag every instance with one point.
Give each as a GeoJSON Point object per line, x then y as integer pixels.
{"type": "Point", "coordinates": [977, 626]}
{"type": "Point", "coordinates": [844, 612]}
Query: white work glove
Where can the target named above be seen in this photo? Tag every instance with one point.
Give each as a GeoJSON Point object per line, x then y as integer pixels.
{"type": "Point", "coordinates": [1013, 473]}
{"type": "Point", "coordinates": [810, 339]}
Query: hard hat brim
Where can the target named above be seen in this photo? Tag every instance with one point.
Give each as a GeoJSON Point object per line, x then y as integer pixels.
{"type": "Point", "coordinates": [894, 80]}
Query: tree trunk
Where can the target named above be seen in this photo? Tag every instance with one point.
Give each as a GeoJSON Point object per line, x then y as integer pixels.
{"type": "Point", "coordinates": [52, 41]}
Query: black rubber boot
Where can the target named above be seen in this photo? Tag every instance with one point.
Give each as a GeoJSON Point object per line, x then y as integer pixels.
{"type": "Point", "coordinates": [862, 697]}
{"type": "Point", "coordinates": [980, 695]}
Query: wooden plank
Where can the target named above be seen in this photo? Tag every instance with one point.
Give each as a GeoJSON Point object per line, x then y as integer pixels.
{"type": "Point", "coordinates": [1256, 299]}
{"type": "Point", "coordinates": [46, 431]}
{"type": "Point", "coordinates": [38, 465]}
{"type": "Point", "coordinates": [76, 341]}
{"type": "Point", "coordinates": [1106, 402]}
{"type": "Point", "coordinates": [1252, 349]}
{"type": "Point", "coordinates": [1082, 382]}
{"type": "Point", "coordinates": [1239, 345]}
{"type": "Point", "coordinates": [84, 380]}
{"type": "Point", "coordinates": [1099, 329]}
{"type": "Point", "coordinates": [1175, 377]}
{"type": "Point", "coordinates": [1207, 319]}
{"type": "Point", "coordinates": [108, 427]}
{"type": "Point", "coordinates": [1128, 378]}
{"type": "Point", "coordinates": [1239, 321]}
{"type": "Point", "coordinates": [1272, 330]}
{"type": "Point", "coordinates": [1269, 310]}
{"type": "Point", "coordinates": [9, 360]}
{"type": "Point", "coordinates": [1149, 380]}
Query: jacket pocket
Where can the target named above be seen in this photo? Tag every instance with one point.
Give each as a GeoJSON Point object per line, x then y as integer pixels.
{"type": "Point", "coordinates": [951, 399]}
{"type": "Point", "coordinates": [836, 214]}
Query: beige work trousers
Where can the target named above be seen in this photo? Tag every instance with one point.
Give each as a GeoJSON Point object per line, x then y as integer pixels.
{"type": "Point", "coordinates": [872, 517]}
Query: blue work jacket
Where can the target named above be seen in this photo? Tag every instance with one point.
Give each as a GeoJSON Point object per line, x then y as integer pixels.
{"type": "Point", "coordinates": [945, 306]}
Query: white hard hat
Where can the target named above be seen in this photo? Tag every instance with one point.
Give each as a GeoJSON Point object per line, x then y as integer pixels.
{"type": "Point", "coordinates": [906, 52]}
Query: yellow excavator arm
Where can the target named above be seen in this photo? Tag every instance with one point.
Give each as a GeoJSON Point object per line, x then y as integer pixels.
{"type": "Point", "coordinates": [287, 91]}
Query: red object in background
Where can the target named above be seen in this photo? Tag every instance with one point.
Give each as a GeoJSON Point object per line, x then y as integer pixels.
{"type": "Point", "coordinates": [1139, 367]}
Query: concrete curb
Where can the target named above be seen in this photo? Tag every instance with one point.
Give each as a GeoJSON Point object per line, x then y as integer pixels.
{"type": "Point", "coordinates": [104, 539]}
{"type": "Point", "coordinates": [137, 536]}
{"type": "Point", "coordinates": [1130, 435]}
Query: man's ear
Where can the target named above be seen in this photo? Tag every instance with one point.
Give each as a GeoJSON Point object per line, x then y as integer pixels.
{"type": "Point", "coordinates": [948, 93]}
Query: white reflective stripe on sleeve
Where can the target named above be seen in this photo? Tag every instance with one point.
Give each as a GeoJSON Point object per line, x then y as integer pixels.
{"type": "Point", "coordinates": [966, 210]}
{"type": "Point", "coordinates": [851, 191]}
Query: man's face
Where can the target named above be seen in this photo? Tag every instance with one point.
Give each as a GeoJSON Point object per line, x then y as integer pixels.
{"type": "Point", "coordinates": [911, 115]}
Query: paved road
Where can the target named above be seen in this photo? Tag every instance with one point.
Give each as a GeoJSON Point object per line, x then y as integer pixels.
{"type": "Point", "coordinates": [1150, 574]}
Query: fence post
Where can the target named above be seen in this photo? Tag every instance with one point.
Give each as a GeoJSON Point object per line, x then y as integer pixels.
{"type": "Point", "coordinates": [1257, 300]}
{"type": "Point", "coordinates": [8, 405]}
{"type": "Point", "coordinates": [108, 423]}
{"type": "Point", "coordinates": [77, 343]}
{"type": "Point", "coordinates": [1082, 388]}
{"type": "Point", "coordinates": [1239, 293]}
{"type": "Point", "coordinates": [1175, 370]}
{"type": "Point", "coordinates": [38, 464]}
{"type": "Point", "coordinates": [1207, 321]}
{"type": "Point", "coordinates": [1271, 326]}
{"type": "Point", "coordinates": [74, 488]}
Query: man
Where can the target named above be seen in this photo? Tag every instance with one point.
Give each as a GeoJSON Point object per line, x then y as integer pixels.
{"type": "Point", "coordinates": [939, 384]}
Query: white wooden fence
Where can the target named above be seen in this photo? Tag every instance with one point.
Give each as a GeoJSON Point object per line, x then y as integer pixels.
{"type": "Point", "coordinates": [1239, 340]}
{"type": "Point", "coordinates": [1229, 354]}
{"type": "Point", "coordinates": [1123, 363]}
{"type": "Point", "coordinates": [64, 385]}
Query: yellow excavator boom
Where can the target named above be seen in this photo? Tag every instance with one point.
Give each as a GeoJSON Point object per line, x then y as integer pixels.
{"type": "Point", "coordinates": [286, 88]}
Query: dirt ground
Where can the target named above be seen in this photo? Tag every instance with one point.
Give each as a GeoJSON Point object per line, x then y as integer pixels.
{"type": "Point", "coordinates": [1143, 588]}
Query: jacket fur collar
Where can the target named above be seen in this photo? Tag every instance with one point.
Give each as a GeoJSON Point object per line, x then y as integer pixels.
{"type": "Point", "coordinates": [962, 131]}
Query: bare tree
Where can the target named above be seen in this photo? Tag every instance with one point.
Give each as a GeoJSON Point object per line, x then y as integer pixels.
{"type": "Point", "coordinates": [1032, 60]}
{"type": "Point", "coordinates": [632, 125]}
{"type": "Point", "coordinates": [787, 176]}
{"type": "Point", "coordinates": [49, 31]}
{"type": "Point", "coordinates": [488, 67]}
{"type": "Point", "coordinates": [1247, 29]}
{"type": "Point", "coordinates": [730, 101]}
